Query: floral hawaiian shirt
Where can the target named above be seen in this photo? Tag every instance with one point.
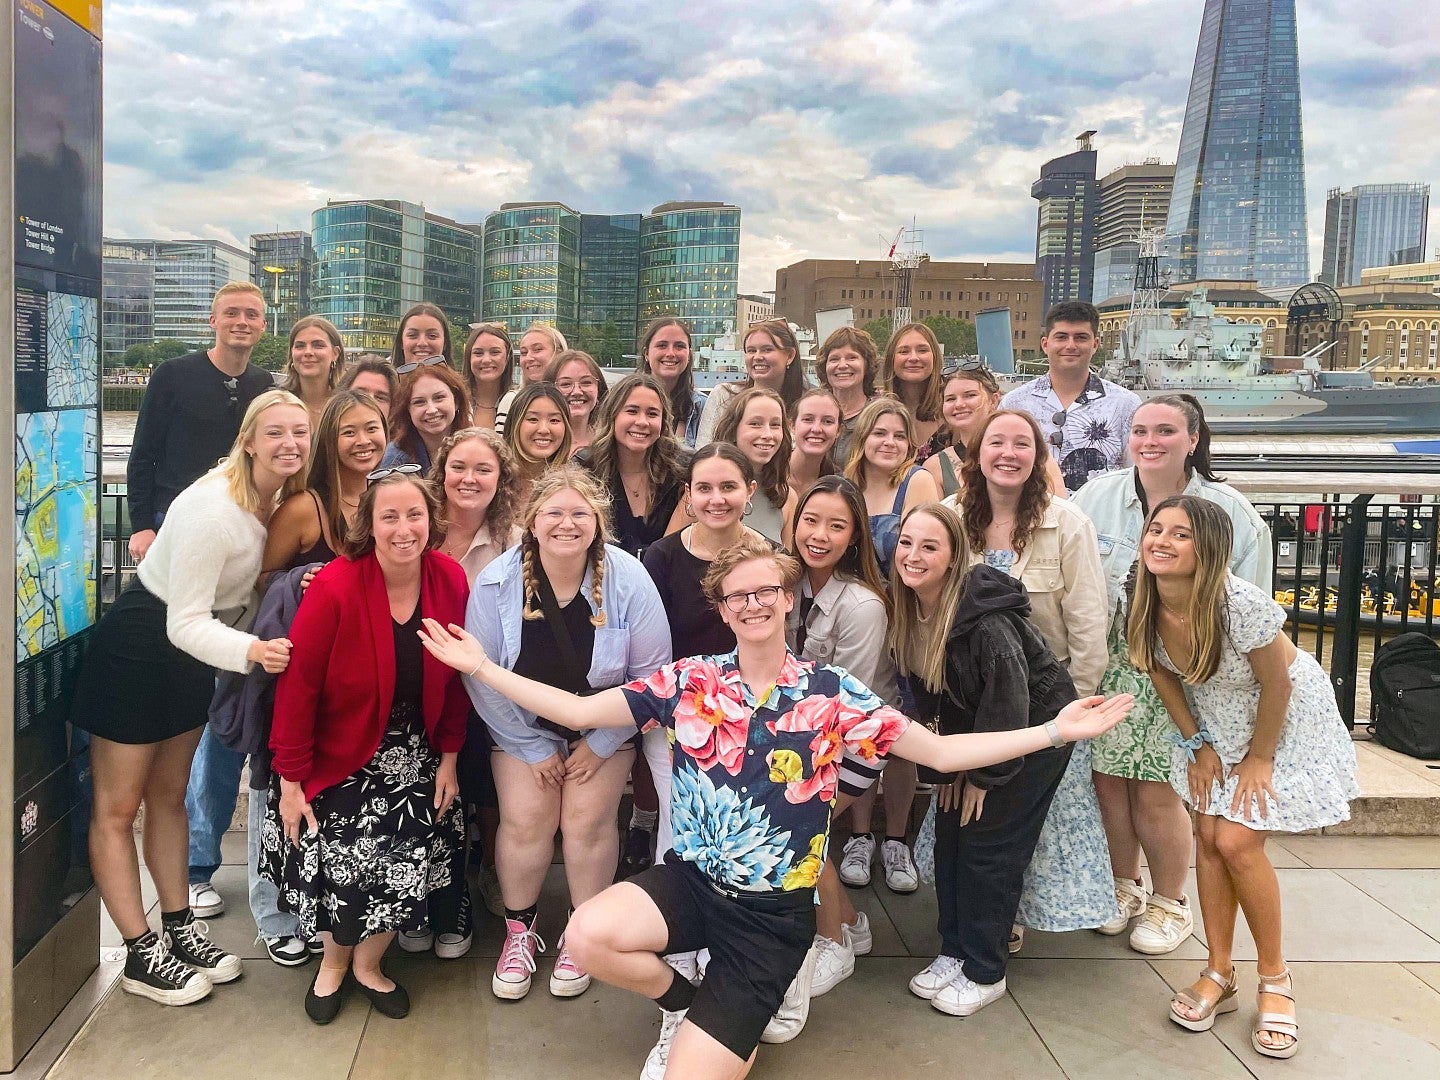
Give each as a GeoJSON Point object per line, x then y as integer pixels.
{"type": "Point", "coordinates": [755, 781]}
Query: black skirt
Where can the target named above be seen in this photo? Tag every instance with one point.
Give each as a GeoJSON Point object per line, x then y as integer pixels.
{"type": "Point", "coordinates": [135, 686]}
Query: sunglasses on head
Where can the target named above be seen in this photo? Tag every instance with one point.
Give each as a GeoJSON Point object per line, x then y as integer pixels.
{"type": "Point", "coordinates": [969, 363]}
{"type": "Point", "coordinates": [429, 361]}
{"type": "Point", "coordinates": [408, 469]}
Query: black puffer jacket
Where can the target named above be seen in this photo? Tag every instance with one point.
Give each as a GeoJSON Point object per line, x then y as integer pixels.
{"type": "Point", "coordinates": [999, 673]}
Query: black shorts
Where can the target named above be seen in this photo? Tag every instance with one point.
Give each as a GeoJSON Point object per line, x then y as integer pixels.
{"type": "Point", "coordinates": [756, 944]}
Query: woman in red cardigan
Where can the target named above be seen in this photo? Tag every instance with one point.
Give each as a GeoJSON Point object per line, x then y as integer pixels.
{"type": "Point", "coordinates": [363, 820]}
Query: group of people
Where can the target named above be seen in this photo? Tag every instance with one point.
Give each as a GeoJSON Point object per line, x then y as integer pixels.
{"type": "Point", "coordinates": [486, 604]}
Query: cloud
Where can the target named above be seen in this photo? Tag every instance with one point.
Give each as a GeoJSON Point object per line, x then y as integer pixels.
{"type": "Point", "coordinates": [829, 126]}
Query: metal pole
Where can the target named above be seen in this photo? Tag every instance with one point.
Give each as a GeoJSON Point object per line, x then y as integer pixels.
{"type": "Point", "coordinates": [1345, 651]}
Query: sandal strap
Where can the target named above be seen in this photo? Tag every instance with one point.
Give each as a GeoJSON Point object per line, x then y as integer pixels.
{"type": "Point", "coordinates": [1272, 984]}
{"type": "Point", "coordinates": [1278, 1023]}
{"type": "Point", "coordinates": [1218, 979]}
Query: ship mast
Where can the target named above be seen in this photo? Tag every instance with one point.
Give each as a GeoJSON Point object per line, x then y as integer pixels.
{"type": "Point", "coordinates": [1144, 305]}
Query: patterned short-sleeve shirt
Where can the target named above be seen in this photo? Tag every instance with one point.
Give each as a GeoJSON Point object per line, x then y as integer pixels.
{"type": "Point", "coordinates": [755, 781]}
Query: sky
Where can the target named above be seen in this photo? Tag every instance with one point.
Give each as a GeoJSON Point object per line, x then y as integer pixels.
{"type": "Point", "coordinates": [829, 124]}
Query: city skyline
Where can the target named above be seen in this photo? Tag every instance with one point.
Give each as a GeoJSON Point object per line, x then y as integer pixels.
{"type": "Point", "coordinates": [828, 133]}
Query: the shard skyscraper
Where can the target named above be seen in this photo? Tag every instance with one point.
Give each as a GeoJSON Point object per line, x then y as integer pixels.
{"type": "Point", "coordinates": [1238, 208]}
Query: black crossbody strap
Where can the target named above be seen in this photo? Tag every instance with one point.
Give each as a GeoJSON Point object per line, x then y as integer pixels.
{"type": "Point", "coordinates": [551, 607]}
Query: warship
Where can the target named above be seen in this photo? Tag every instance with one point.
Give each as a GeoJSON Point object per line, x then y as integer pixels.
{"type": "Point", "coordinates": [1242, 391]}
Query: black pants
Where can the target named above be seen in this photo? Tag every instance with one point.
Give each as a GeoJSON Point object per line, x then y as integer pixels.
{"type": "Point", "coordinates": [979, 869]}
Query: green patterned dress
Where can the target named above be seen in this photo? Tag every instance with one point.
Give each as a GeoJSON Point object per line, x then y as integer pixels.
{"type": "Point", "coordinates": [1139, 747]}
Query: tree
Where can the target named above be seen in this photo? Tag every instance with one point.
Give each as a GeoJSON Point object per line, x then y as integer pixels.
{"type": "Point", "coordinates": [168, 349]}
{"type": "Point", "coordinates": [879, 329]}
{"type": "Point", "coordinates": [458, 336]}
{"type": "Point", "coordinates": [139, 356]}
{"type": "Point", "coordinates": [609, 350]}
{"type": "Point", "coordinates": [956, 335]}
{"type": "Point", "coordinates": [271, 352]}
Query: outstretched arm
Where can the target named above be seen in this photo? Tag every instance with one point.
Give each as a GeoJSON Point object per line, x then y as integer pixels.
{"type": "Point", "coordinates": [458, 648]}
{"type": "Point", "coordinates": [1083, 719]}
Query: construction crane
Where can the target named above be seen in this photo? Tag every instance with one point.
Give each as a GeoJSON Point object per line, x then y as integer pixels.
{"type": "Point", "coordinates": [906, 255]}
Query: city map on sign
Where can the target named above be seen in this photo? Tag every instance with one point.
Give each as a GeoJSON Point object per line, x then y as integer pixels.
{"type": "Point", "coordinates": [72, 336]}
{"type": "Point", "coordinates": [55, 526]}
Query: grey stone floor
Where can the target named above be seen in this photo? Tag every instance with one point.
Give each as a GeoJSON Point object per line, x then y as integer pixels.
{"type": "Point", "coordinates": [1362, 931]}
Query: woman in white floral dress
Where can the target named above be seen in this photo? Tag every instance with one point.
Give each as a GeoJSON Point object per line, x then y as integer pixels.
{"type": "Point", "coordinates": [1261, 747]}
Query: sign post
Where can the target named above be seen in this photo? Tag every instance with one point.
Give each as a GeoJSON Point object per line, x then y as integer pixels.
{"type": "Point", "coordinates": [50, 139]}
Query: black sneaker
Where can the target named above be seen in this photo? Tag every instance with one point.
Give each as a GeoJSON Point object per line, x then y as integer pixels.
{"type": "Point", "coordinates": [451, 945]}
{"type": "Point", "coordinates": [636, 854]}
{"type": "Point", "coordinates": [188, 943]}
{"type": "Point", "coordinates": [151, 972]}
{"type": "Point", "coordinates": [287, 950]}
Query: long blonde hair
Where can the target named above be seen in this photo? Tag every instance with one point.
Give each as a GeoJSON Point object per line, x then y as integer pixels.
{"type": "Point", "coordinates": [1213, 537]}
{"type": "Point", "coordinates": [874, 411]}
{"type": "Point", "coordinates": [594, 493]}
{"type": "Point", "coordinates": [920, 647]}
{"type": "Point", "coordinates": [237, 466]}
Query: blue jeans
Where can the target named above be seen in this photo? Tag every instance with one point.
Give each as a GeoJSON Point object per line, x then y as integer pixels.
{"type": "Point", "coordinates": [210, 802]}
{"type": "Point", "coordinates": [264, 896]}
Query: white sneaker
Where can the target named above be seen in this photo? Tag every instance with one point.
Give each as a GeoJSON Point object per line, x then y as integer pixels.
{"type": "Point", "coordinates": [900, 873]}
{"type": "Point", "coordinates": [416, 941]}
{"type": "Point", "coordinates": [1163, 926]}
{"type": "Point", "coordinates": [789, 1019]}
{"type": "Point", "coordinates": [855, 865]}
{"type": "Point", "coordinates": [205, 902]}
{"type": "Point", "coordinates": [861, 940]}
{"type": "Point", "coordinates": [1130, 899]}
{"type": "Point", "coordinates": [686, 963]}
{"type": "Point", "coordinates": [938, 974]}
{"type": "Point", "coordinates": [834, 963]}
{"type": "Point", "coordinates": [961, 997]}
{"type": "Point", "coordinates": [659, 1057]}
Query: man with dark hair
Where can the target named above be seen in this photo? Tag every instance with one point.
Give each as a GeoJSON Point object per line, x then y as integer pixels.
{"type": "Point", "coordinates": [1087, 417]}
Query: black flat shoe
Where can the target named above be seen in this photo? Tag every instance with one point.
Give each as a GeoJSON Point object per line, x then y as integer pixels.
{"type": "Point", "coordinates": [394, 1003]}
{"type": "Point", "coordinates": [324, 1009]}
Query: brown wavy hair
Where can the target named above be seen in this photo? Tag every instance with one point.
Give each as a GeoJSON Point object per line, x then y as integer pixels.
{"type": "Point", "coordinates": [504, 508]}
{"type": "Point", "coordinates": [774, 476]}
{"type": "Point", "coordinates": [291, 381]}
{"type": "Point", "coordinates": [928, 407]}
{"type": "Point", "coordinates": [397, 349]}
{"type": "Point", "coordinates": [662, 459]}
{"type": "Point", "coordinates": [681, 402]}
{"type": "Point", "coordinates": [507, 375]}
{"type": "Point", "coordinates": [854, 338]}
{"type": "Point", "coordinates": [975, 510]}
{"type": "Point", "coordinates": [360, 539]}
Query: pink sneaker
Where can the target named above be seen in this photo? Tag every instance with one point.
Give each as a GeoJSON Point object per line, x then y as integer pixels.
{"type": "Point", "coordinates": [567, 980]}
{"type": "Point", "coordinates": [511, 981]}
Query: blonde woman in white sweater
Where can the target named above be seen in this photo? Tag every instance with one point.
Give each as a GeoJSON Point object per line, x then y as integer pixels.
{"type": "Point", "coordinates": [146, 685]}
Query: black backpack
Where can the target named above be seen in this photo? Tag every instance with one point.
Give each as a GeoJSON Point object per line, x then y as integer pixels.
{"type": "Point", "coordinates": [1405, 692]}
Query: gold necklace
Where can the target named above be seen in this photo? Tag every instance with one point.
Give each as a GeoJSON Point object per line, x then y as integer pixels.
{"type": "Point", "coordinates": [637, 491]}
{"type": "Point", "coordinates": [1183, 618]}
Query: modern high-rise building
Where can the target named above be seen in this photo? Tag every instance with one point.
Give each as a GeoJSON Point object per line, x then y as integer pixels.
{"type": "Point", "coordinates": [609, 282]}
{"type": "Point", "coordinates": [185, 275]}
{"type": "Point", "coordinates": [690, 266]}
{"type": "Point", "coordinates": [1238, 208]}
{"type": "Point", "coordinates": [375, 258]}
{"type": "Point", "coordinates": [1065, 223]}
{"type": "Point", "coordinates": [750, 309]}
{"type": "Point", "coordinates": [127, 299]}
{"type": "Point", "coordinates": [1132, 198]}
{"type": "Point", "coordinates": [531, 268]}
{"type": "Point", "coordinates": [1373, 225]}
{"type": "Point", "coordinates": [287, 293]}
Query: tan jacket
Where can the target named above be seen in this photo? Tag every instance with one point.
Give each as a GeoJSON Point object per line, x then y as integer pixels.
{"type": "Point", "coordinates": [1060, 569]}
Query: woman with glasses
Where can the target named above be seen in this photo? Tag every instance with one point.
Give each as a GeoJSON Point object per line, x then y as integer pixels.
{"type": "Point", "coordinates": [373, 375]}
{"type": "Point", "coordinates": [144, 688]}
{"type": "Point", "coordinates": [489, 373]}
{"type": "Point", "coordinates": [537, 434]}
{"type": "Point", "coordinates": [755, 423]}
{"type": "Point", "coordinates": [424, 331]}
{"type": "Point", "coordinates": [570, 610]}
{"type": "Point", "coordinates": [431, 405]}
{"type": "Point", "coordinates": [815, 432]}
{"type": "Point", "coordinates": [772, 362]}
{"type": "Point", "coordinates": [363, 821]}
{"type": "Point", "coordinates": [846, 366]}
{"type": "Point", "coordinates": [1169, 442]}
{"type": "Point", "coordinates": [664, 354]}
{"type": "Point", "coordinates": [582, 384]}
{"type": "Point", "coordinates": [316, 359]}
{"type": "Point", "coordinates": [1016, 525]}
{"type": "Point", "coordinates": [911, 373]}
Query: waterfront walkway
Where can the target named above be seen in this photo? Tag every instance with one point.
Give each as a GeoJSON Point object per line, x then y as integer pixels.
{"type": "Point", "coordinates": [1362, 932]}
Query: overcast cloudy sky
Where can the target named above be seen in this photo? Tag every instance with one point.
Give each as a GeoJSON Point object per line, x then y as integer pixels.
{"type": "Point", "coordinates": [830, 124]}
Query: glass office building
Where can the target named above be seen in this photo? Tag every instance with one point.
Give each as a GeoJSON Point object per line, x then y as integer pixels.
{"type": "Point", "coordinates": [1238, 208]}
{"type": "Point", "coordinates": [690, 266]}
{"type": "Point", "coordinates": [287, 294]}
{"type": "Point", "coordinates": [127, 305]}
{"type": "Point", "coordinates": [1373, 225]}
{"type": "Point", "coordinates": [531, 268]}
{"type": "Point", "coordinates": [609, 280]}
{"type": "Point", "coordinates": [375, 259]}
{"type": "Point", "coordinates": [1065, 224]}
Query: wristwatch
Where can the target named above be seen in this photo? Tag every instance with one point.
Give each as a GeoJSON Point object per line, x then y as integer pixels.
{"type": "Point", "coordinates": [1053, 730]}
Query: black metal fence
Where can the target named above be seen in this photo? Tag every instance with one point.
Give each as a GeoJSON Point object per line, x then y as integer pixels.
{"type": "Point", "coordinates": [1345, 569]}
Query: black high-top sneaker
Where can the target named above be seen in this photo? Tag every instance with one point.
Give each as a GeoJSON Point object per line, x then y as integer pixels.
{"type": "Point", "coordinates": [151, 972]}
{"type": "Point", "coordinates": [187, 942]}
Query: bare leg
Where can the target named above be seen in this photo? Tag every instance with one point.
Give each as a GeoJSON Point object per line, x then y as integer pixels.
{"type": "Point", "coordinates": [1217, 907]}
{"type": "Point", "coordinates": [698, 1055]}
{"type": "Point", "coordinates": [366, 962]}
{"type": "Point", "coordinates": [119, 771]}
{"type": "Point", "coordinates": [861, 810]}
{"type": "Point", "coordinates": [488, 818]}
{"type": "Point", "coordinates": [900, 781]}
{"type": "Point", "coordinates": [835, 909]}
{"type": "Point", "coordinates": [1113, 793]}
{"type": "Point", "coordinates": [167, 829]}
{"type": "Point", "coordinates": [587, 825]}
{"type": "Point", "coordinates": [525, 842]}
{"type": "Point", "coordinates": [1163, 825]}
{"type": "Point", "coordinates": [1258, 890]}
{"type": "Point", "coordinates": [333, 966]}
{"type": "Point", "coordinates": [618, 937]}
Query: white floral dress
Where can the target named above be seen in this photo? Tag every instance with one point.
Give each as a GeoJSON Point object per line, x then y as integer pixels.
{"type": "Point", "coordinates": [1314, 775]}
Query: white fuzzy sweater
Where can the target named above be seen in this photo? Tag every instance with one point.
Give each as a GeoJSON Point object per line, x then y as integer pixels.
{"type": "Point", "coordinates": [205, 559]}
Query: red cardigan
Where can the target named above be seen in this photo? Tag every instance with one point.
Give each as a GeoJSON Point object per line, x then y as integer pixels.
{"type": "Point", "coordinates": [333, 701]}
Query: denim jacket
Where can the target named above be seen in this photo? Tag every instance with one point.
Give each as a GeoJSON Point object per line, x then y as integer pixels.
{"type": "Point", "coordinates": [633, 644]}
{"type": "Point", "coordinates": [1113, 504]}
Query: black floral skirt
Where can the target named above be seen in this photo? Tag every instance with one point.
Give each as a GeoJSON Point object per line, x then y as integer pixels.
{"type": "Point", "coordinates": [379, 850]}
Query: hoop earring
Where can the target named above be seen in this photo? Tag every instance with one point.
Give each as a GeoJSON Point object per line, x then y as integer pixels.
{"type": "Point", "coordinates": [749, 507]}
{"type": "Point", "coordinates": [689, 510]}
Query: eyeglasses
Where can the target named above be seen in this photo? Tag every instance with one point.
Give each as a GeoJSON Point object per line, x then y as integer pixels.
{"type": "Point", "coordinates": [232, 387]}
{"type": "Point", "coordinates": [407, 469]}
{"type": "Point", "coordinates": [429, 361]}
{"type": "Point", "coordinates": [764, 596]}
{"type": "Point", "coordinates": [566, 386]}
{"type": "Point", "coordinates": [969, 363]}
{"type": "Point", "coordinates": [579, 516]}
